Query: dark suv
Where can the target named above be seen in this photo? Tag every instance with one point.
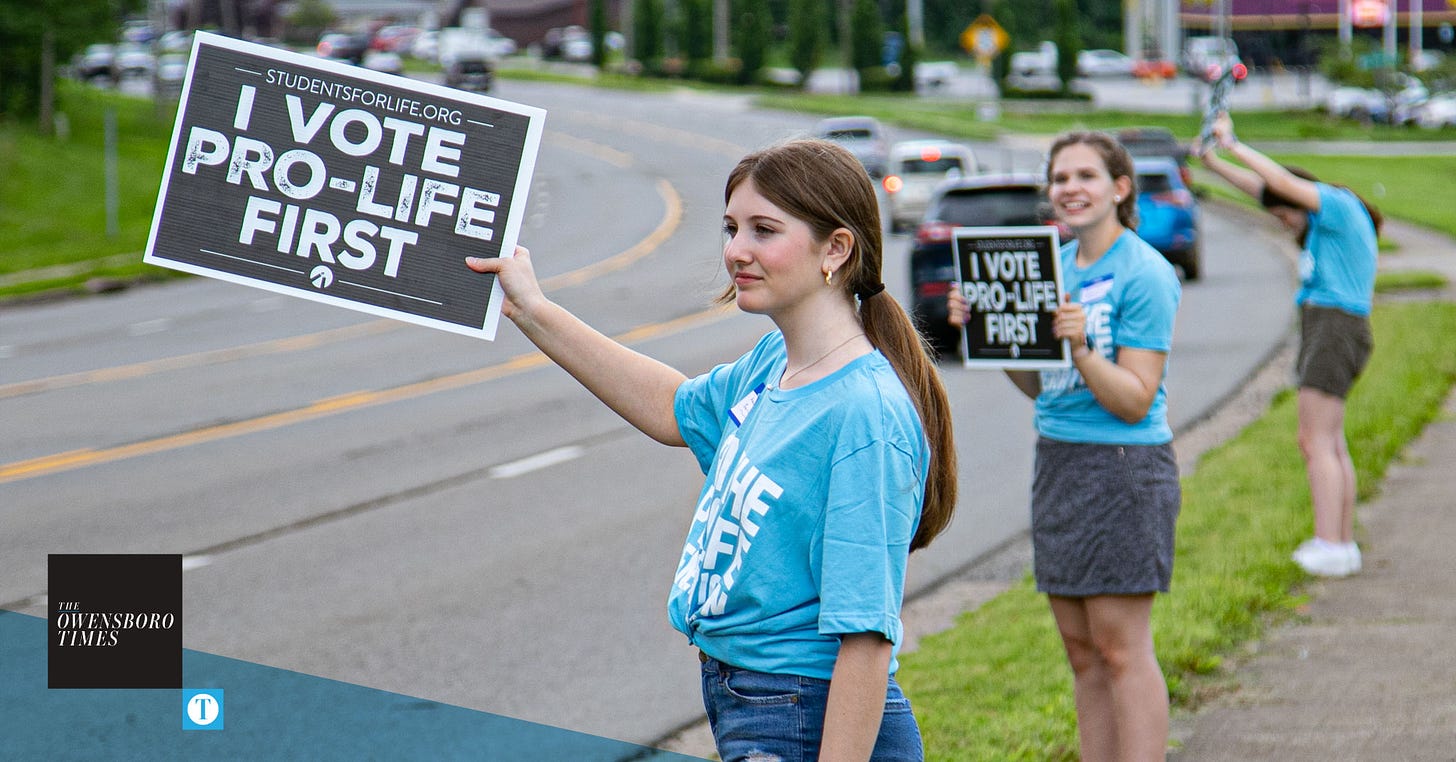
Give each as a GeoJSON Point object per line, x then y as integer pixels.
{"type": "Point", "coordinates": [996, 200]}
{"type": "Point", "coordinates": [1156, 141]}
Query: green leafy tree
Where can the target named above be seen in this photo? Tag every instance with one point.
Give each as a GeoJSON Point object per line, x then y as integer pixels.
{"type": "Point", "coordinates": [867, 34]}
{"type": "Point", "coordinates": [597, 13]}
{"type": "Point", "coordinates": [806, 37]}
{"type": "Point", "coordinates": [752, 28]}
{"type": "Point", "coordinates": [647, 34]}
{"type": "Point", "coordinates": [309, 19]}
{"type": "Point", "coordinates": [697, 33]}
{"type": "Point", "coordinates": [1068, 36]}
{"type": "Point", "coordinates": [37, 37]}
{"type": "Point", "coordinates": [1004, 12]}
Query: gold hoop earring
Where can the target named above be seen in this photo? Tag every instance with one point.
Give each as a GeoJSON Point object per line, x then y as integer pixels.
{"type": "Point", "coordinates": [828, 277]}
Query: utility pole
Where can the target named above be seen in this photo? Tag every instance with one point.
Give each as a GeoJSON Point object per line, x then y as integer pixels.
{"type": "Point", "coordinates": [720, 30]}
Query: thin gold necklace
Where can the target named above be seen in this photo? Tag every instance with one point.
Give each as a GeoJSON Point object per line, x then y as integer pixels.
{"type": "Point", "coordinates": [785, 379]}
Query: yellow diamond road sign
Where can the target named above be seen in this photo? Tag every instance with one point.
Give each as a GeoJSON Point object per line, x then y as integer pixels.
{"type": "Point", "coordinates": [984, 38]}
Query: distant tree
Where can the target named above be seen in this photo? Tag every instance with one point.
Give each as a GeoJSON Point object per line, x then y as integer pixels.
{"type": "Point", "coordinates": [806, 37]}
{"type": "Point", "coordinates": [310, 18]}
{"type": "Point", "coordinates": [867, 34]}
{"type": "Point", "coordinates": [751, 30]}
{"type": "Point", "coordinates": [314, 14]}
{"type": "Point", "coordinates": [37, 37]}
{"type": "Point", "coordinates": [647, 33]}
{"type": "Point", "coordinates": [597, 14]}
{"type": "Point", "coordinates": [697, 33]}
{"type": "Point", "coordinates": [1068, 35]}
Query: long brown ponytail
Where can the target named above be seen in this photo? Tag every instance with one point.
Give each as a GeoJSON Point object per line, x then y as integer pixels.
{"type": "Point", "coordinates": [822, 184]}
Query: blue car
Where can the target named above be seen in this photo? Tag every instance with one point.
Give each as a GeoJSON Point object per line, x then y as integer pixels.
{"type": "Point", "coordinates": [1168, 214]}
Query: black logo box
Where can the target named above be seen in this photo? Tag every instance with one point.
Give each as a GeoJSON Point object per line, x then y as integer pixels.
{"type": "Point", "coordinates": [115, 621]}
{"type": "Point", "coordinates": [241, 92]}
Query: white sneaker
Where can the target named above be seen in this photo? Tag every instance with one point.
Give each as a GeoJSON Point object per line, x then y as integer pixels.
{"type": "Point", "coordinates": [1327, 559]}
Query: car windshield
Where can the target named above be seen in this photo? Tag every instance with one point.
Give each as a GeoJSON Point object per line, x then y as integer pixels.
{"type": "Point", "coordinates": [938, 166]}
{"type": "Point", "coordinates": [849, 134]}
{"type": "Point", "coordinates": [1003, 206]}
{"type": "Point", "coordinates": [1156, 182]}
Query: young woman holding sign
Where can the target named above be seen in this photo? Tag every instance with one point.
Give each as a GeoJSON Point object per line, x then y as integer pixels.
{"type": "Point", "coordinates": [829, 458]}
{"type": "Point", "coordinates": [1337, 231]}
{"type": "Point", "coordinates": [1105, 492]}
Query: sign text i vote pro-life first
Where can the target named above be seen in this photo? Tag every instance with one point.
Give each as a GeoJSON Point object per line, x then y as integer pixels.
{"type": "Point", "coordinates": [284, 169]}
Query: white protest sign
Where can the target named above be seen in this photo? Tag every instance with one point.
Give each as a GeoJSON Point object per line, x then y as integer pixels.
{"type": "Point", "coordinates": [338, 184]}
{"type": "Point", "coordinates": [1011, 278]}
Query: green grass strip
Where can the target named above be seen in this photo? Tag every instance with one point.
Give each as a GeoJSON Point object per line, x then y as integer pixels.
{"type": "Point", "coordinates": [996, 686]}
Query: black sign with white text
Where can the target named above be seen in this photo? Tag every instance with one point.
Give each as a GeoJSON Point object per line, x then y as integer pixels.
{"type": "Point", "coordinates": [1012, 280]}
{"type": "Point", "coordinates": [115, 621]}
{"type": "Point", "coordinates": [334, 183]}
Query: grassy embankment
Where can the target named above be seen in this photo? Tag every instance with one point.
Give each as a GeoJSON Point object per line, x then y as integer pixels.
{"type": "Point", "coordinates": [996, 686]}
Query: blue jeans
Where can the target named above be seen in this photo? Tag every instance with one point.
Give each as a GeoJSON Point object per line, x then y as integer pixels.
{"type": "Point", "coordinates": [758, 716]}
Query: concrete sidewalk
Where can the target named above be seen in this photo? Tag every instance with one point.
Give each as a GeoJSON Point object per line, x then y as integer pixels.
{"type": "Point", "coordinates": [1367, 673]}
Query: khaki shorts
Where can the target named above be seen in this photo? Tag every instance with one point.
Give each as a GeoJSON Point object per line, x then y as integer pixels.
{"type": "Point", "coordinates": [1334, 346]}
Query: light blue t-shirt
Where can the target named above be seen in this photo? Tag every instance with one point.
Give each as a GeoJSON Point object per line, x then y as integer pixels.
{"type": "Point", "coordinates": [1131, 297]}
{"type": "Point", "coordinates": [803, 528]}
{"type": "Point", "coordinates": [1337, 266]}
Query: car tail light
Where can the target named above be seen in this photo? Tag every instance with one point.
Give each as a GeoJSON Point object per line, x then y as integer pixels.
{"type": "Point", "coordinates": [893, 183]}
{"type": "Point", "coordinates": [930, 154]}
{"type": "Point", "coordinates": [933, 289]}
{"type": "Point", "coordinates": [324, 48]}
{"type": "Point", "coordinates": [934, 232]}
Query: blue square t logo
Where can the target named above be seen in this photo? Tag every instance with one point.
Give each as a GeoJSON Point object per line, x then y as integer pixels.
{"type": "Point", "coordinates": [202, 709]}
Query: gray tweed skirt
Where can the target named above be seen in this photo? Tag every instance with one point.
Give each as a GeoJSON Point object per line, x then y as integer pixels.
{"type": "Point", "coordinates": [1102, 518]}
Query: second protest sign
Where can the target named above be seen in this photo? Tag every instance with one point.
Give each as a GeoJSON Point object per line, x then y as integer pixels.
{"type": "Point", "coordinates": [1012, 280]}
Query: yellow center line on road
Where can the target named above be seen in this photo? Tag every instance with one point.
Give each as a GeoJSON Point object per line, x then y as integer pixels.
{"type": "Point", "coordinates": [666, 226]}
{"type": "Point", "coordinates": [74, 459]}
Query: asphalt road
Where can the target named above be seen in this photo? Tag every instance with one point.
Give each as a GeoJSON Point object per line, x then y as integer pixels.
{"type": "Point", "coordinates": [446, 518]}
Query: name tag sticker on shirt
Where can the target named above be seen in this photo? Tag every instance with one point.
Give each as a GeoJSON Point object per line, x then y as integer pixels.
{"type": "Point", "coordinates": [1092, 290]}
{"type": "Point", "coordinates": [739, 412]}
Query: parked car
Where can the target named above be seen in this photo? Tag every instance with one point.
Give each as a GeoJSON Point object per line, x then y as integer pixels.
{"type": "Point", "coordinates": [426, 45]}
{"type": "Point", "coordinates": [991, 200]}
{"type": "Point", "coordinates": [1103, 63]}
{"type": "Point", "coordinates": [864, 136]}
{"type": "Point", "coordinates": [95, 61]}
{"type": "Point", "coordinates": [342, 46]}
{"type": "Point", "coordinates": [395, 38]}
{"type": "Point", "coordinates": [1033, 71]}
{"type": "Point", "coordinates": [916, 167]}
{"type": "Point", "coordinates": [1157, 141]}
{"type": "Point", "coordinates": [176, 41]}
{"type": "Point", "coordinates": [172, 71]}
{"type": "Point", "coordinates": [569, 43]}
{"type": "Point", "coordinates": [502, 46]}
{"type": "Point", "coordinates": [470, 73]}
{"type": "Point", "coordinates": [383, 60]}
{"type": "Point", "coordinates": [1437, 112]}
{"type": "Point", "coordinates": [1168, 214]}
{"type": "Point", "coordinates": [1154, 68]}
{"type": "Point", "coordinates": [134, 59]}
